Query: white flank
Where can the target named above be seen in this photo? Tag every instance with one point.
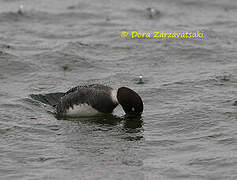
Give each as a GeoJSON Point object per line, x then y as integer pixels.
{"type": "Point", "coordinates": [82, 110]}
{"type": "Point", "coordinates": [114, 95]}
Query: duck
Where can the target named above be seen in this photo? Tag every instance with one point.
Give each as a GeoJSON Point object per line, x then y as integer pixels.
{"type": "Point", "coordinates": [91, 100]}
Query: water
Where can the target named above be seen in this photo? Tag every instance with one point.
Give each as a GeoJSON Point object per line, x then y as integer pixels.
{"type": "Point", "coordinates": [188, 128]}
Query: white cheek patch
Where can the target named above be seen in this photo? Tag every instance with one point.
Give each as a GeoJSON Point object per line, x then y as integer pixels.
{"type": "Point", "coordinates": [133, 109]}
{"type": "Point", "coordinates": [81, 110]}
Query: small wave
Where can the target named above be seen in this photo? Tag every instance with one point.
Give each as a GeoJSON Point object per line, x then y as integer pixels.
{"type": "Point", "coordinates": [46, 17]}
{"type": "Point", "coordinates": [64, 61]}
{"type": "Point", "coordinates": [10, 67]}
{"type": "Point", "coordinates": [147, 13]}
{"type": "Point", "coordinates": [217, 80]}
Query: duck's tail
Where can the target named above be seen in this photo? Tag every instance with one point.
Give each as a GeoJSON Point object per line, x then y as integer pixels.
{"type": "Point", "coordinates": [51, 99]}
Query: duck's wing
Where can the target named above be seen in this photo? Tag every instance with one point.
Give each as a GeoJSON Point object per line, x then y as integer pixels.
{"type": "Point", "coordinates": [97, 96]}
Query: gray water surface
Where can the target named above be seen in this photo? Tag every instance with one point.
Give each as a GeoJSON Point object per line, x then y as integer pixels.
{"type": "Point", "coordinates": [188, 128]}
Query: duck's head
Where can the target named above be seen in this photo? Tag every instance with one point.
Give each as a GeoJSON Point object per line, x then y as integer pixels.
{"type": "Point", "coordinates": [130, 101]}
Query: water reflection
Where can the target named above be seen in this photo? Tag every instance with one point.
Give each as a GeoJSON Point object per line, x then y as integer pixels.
{"type": "Point", "coordinates": [128, 128]}
{"type": "Point", "coordinates": [110, 119]}
{"type": "Point", "coordinates": [133, 123]}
